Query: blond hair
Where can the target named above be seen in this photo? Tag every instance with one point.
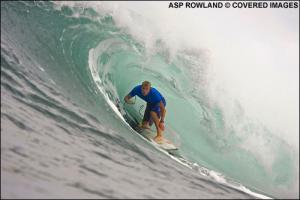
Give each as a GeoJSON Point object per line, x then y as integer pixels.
{"type": "Point", "coordinates": [146, 84]}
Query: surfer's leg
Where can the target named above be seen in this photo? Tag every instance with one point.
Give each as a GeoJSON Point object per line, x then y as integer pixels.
{"type": "Point", "coordinates": [146, 118]}
{"type": "Point", "coordinates": [155, 118]}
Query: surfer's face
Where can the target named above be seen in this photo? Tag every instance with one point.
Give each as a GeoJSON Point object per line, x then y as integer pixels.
{"type": "Point", "coordinates": [145, 90]}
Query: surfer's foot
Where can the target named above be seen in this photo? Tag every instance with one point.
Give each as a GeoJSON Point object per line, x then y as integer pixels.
{"type": "Point", "coordinates": [158, 138]}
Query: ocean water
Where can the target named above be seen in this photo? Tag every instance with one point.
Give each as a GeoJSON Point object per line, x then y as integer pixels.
{"type": "Point", "coordinates": [65, 67]}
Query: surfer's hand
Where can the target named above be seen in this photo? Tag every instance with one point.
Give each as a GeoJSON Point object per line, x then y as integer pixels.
{"type": "Point", "coordinates": [129, 101]}
{"type": "Point", "coordinates": [162, 126]}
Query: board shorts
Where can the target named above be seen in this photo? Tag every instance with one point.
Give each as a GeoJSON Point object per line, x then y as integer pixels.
{"type": "Point", "coordinates": [152, 107]}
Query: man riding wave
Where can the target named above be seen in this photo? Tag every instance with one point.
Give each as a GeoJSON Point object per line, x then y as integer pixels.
{"type": "Point", "coordinates": [155, 109]}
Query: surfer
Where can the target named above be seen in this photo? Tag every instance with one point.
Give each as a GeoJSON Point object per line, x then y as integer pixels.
{"type": "Point", "coordinates": [156, 107]}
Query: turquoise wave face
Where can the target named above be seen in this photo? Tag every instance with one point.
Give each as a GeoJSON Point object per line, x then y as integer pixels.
{"type": "Point", "coordinates": [92, 60]}
{"type": "Point", "coordinates": [198, 128]}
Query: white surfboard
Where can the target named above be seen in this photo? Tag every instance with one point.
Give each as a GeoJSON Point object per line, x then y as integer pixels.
{"type": "Point", "coordinates": [164, 143]}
